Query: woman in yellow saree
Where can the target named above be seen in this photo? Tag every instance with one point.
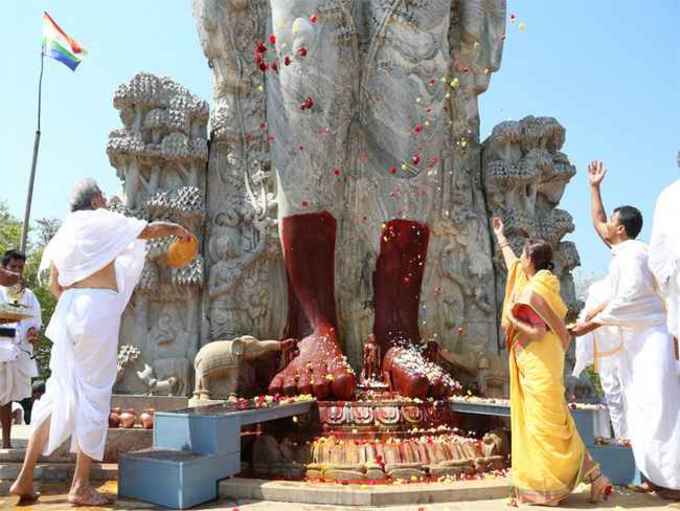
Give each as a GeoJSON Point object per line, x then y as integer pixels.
{"type": "Point", "coordinates": [548, 456]}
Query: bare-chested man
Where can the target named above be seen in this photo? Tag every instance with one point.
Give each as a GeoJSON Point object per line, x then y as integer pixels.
{"type": "Point", "coordinates": [95, 261]}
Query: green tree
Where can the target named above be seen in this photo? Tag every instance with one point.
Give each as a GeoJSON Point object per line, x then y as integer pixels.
{"type": "Point", "coordinates": [10, 229]}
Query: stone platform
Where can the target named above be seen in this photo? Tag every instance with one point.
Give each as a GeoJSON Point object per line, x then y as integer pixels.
{"type": "Point", "coordinates": [362, 495]}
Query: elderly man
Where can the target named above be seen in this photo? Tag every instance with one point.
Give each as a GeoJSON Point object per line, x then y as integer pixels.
{"type": "Point", "coordinates": [95, 261]}
{"type": "Point", "coordinates": [650, 383]}
{"type": "Point", "coordinates": [17, 366]}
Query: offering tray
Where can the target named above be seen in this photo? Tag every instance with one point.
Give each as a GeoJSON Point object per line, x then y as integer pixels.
{"type": "Point", "coordinates": [14, 311]}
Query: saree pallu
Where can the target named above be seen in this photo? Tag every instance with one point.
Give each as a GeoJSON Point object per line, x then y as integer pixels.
{"type": "Point", "coordinates": [547, 452]}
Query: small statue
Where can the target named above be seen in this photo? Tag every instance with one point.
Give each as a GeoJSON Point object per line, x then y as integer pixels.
{"type": "Point", "coordinates": [370, 371]}
{"type": "Point", "coordinates": [222, 360]}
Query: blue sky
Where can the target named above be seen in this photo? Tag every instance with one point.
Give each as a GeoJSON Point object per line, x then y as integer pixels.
{"type": "Point", "coordinates": [608, 70]}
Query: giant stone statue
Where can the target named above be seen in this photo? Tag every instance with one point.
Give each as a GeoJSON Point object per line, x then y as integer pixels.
{"type": "Point", "coordinates": [353, 105]}
{"type": "Point", "coordinates": [346, 191]}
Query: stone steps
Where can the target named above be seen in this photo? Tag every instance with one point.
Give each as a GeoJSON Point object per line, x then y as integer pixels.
{"type": "Point", "coordinates": [58, 472]}
{"type": "Point", "coordinates": [365, 495]}
{"type": "Point", "coordinates": [16, 455]}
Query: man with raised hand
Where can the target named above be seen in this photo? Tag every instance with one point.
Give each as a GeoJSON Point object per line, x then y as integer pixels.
{"type": "Point", "coordinates": [650, 383]}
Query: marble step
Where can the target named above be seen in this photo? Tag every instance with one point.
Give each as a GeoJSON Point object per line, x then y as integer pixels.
{"type": "Point", "coordinates": [16, 455]}
{"type": "Point", "coordinates": [58, 472]}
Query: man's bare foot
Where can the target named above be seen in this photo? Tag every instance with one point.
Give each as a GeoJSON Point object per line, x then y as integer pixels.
{"type": "Point", "coordinates": [88, 496]}
{"type": "Point", "coordinates": [643, 487]}
{"type": "Point", "coordinates": [319, 369]}
{"type": "Point", "coordinates": [24, 491]}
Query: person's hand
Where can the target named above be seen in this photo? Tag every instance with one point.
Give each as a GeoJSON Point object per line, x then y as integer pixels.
{"type": "Point", "coordinates": [498, 227]}
{"type": "Point", "coordinates": [596, 172]}
{"type": "Point", "coordinates": [32, 335]}
{"type": "Point", "coordinates": [578, 329]}
{"type": "Point", "coordinates": [183, 234]}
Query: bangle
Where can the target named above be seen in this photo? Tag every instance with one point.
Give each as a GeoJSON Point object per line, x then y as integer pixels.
{"type": "Point", "coordinates": [503, 244]}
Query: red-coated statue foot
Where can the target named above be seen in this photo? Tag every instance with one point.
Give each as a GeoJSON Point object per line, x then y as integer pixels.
{"type": "Point", "coordinates": [408, 369]}
{"type": "Point", "coordinates": [320, 369]}
{"type": "Point", "coordinates": [409, 373]}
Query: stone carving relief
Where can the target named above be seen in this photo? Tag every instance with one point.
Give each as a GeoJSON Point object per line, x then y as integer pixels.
{"type": "Point", "coordinates": [160, 155]}
{"type": "Point", "coordinates": [525, 175]}
{"type": "Point", "coordinates": [367, 110]}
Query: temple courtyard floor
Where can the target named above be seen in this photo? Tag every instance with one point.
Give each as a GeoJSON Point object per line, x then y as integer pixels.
{"type": "Point", "coordinates": [53, 498]}
{"type": "Point", "coordinates": [485, 495]}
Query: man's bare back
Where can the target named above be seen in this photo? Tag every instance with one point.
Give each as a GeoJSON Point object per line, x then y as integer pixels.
{"type": "Point", "coordinates": [103, 279]}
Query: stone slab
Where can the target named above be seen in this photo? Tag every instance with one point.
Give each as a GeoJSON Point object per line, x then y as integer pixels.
{"type": "Point", "coordinates": [363, 495]}
{"type": "Point", "coordinates": [141, 402]}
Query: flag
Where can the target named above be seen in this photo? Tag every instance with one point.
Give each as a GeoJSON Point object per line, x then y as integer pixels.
{"type": "Point", "coordinates": [58, 45]}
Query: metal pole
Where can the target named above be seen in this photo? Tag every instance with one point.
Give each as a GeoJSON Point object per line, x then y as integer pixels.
{"type": "Point", "coordinates": [36, 145]}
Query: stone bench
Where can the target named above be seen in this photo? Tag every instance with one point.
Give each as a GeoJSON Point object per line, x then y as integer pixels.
{"type": "Point", "coordinates": [616, 461]}
{"type": "Point", "coordinates": [193, 449]}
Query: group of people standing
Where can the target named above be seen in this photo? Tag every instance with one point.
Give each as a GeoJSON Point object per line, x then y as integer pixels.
{"type": "Point", "coordinates": [637, 310]}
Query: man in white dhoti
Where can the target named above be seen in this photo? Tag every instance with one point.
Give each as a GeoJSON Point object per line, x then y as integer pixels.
{"type": "Point", "coordinates": [95, 261]}
{"type": "Point", "coordinates": [602, 349]}
{"type": "Point", "coordinates": [664, 257]}
{"type": "Point", "coordinates": [17, 365]}
{"type": "Point", "coordinates": [651, 385]}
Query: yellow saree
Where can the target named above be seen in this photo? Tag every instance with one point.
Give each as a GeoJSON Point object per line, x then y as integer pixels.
{"type": "Point", "coordinates": [547, 451]}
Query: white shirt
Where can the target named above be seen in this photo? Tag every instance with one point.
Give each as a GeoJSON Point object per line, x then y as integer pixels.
{"type": "Point", "coordinates": [665, 242]}
{"type": "Point", "coordinates": [635, 301]}
{"type": "Point", "coordinates": [24, 348]}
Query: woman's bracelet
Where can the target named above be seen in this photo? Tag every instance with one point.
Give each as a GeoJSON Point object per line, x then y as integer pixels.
{"type": "Point", "coordinates": [503, 244]}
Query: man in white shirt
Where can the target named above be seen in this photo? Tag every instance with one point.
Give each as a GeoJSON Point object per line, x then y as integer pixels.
{"type": "Point", "coordinates": [651, 385]}
{"type": "Point", "coordinates": [16, 340]}
{"type": "Point", "coordinates": [664, 256]}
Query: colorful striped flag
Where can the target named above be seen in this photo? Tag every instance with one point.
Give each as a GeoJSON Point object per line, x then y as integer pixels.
{"type": "Point", "coordinates": [59, 45]}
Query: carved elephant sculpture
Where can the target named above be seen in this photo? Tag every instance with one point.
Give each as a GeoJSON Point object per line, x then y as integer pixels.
{"type": "Point", "coordinates": [222, 359]}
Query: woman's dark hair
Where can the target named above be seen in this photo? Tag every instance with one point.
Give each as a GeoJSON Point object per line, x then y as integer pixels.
{"type": "Point", "coordinates": [540, 254]}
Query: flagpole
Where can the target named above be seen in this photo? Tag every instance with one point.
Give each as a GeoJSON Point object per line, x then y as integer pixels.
{"type": "Point", "coordinates": [36, 145]}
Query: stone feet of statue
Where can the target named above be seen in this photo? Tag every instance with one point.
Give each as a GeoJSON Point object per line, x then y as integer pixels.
{"type": "Point", "coordinates": [319, 369]}
{"type": "Point", "coordinates": [409, 373]}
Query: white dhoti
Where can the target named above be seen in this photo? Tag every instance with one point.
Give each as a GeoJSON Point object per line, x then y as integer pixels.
{"type": "Point", "coordinates": [84, 330]}
{"type": "Point", "coordinates": [602, 349]}
{"type": "Point", "coordinates": [647, 365]}
{"type": "Point", "coordinates": [652, 401]}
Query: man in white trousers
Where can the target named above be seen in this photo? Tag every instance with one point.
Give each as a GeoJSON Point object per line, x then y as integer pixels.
{"type": "Point", "coordinates": [95, 261]}
{"type": "Point", "coordinates": [650, 382]}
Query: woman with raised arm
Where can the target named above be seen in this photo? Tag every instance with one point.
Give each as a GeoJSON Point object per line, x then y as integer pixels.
{"type": "Point", "coordinates": [548, 456]}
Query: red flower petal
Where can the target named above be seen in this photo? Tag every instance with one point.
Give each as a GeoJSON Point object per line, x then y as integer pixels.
{"type": "Point", "coordinates": [416, 159]}
{"type": "Point", "coordinates": [302, 51]}
{"type": "Point", "coordinates": [272, 39]}
{"type": "Point", "coordinates": [286, 60]}
{"type": "Point", "coordinates": [393, 170]}
{"type": "Point", "coordinates": [313, 18]}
